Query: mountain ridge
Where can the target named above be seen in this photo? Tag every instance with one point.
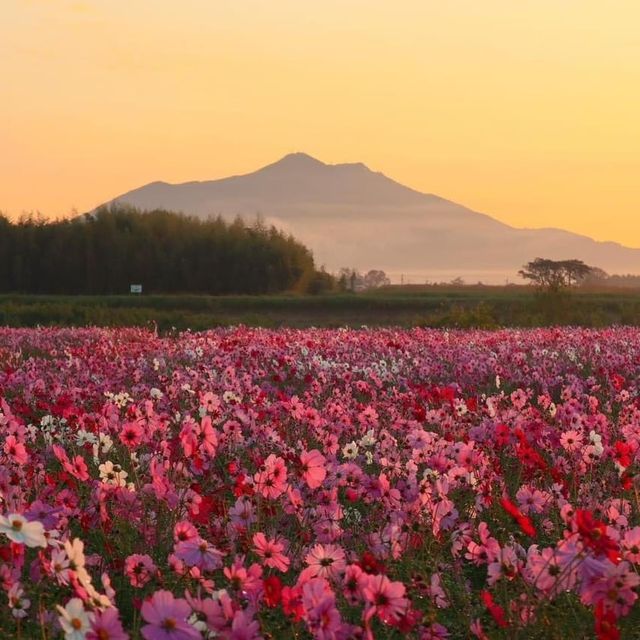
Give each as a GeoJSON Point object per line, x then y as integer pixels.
{"type": "Point", "coordinates": [350, 215]}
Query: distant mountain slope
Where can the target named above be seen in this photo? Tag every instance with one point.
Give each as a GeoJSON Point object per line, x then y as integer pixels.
{"type": "Point", "coordinates": [352, 216]}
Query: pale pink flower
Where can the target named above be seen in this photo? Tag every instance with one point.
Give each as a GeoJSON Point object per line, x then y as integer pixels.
{"type": "Point", "coordinates": [18, 529]}
{"type": "Point", "coordinates": [313, 468]}
{"type": "Point", "coordinates": [326, 561]}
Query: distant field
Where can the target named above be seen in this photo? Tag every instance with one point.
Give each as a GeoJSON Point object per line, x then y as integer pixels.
{"type": "Point", "coordinates": [463, 307]}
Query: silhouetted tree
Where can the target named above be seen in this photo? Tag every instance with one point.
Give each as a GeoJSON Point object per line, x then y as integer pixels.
{"type": "Point", "coordinates": [375, 278]}
{"type": "Point", "coordinates": [105, 252]}
{"type": "Point", "coordinates": [554, 275]}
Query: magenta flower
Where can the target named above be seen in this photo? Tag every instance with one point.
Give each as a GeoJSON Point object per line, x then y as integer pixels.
{"type": "Point", "coordinates": [166, 618]}
{"type": "Point", "coordinates": [196, 552]}
{"type": "Point", "coordinates": [106, 625]}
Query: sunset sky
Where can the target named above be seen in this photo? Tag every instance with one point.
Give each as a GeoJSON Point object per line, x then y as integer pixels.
{"type": "Point", "coordinates": [528, 110]}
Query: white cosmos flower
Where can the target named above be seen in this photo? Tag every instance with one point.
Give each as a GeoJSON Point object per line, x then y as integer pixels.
{"type": "Point", "coordinates": [18, 529]}
{"type": "Point", "coordinates": [74, 620]}
{"type": "Point", "coordinates": [83, 437]}
{"type": "Point", "coordinates": [350, 450]}
{"type": "Point", "coordinates": [18, 604]}
{"type": "Point", "coordinates": [112, 474]}
{"type": "Point", "coordinates": [75, 553]}
{"type": "Point", "coordinates": [368, 439]}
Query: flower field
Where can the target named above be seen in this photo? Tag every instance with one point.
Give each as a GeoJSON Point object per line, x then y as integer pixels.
{"type": "Point", "coordinates": [331, 484]}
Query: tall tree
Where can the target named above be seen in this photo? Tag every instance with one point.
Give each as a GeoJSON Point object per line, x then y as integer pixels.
{"type": "Point", "coordinates": [555, 275]}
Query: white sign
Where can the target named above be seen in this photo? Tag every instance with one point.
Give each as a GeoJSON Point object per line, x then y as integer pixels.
{"type": "Point", "coordinates": [136, 288]}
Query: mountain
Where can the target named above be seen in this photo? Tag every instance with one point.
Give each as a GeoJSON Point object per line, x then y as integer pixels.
{"type": "Point", "coordinates": [352, 216]}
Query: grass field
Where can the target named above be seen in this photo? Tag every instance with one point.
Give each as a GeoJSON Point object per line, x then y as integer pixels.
{"type": "Point", "coordinates": [464, 307]}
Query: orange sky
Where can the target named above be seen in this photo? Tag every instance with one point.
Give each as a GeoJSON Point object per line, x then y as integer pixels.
{"type": "Point", "coordinates": [527, 110]}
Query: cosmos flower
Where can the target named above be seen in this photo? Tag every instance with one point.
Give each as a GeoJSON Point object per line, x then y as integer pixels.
{"type": "Point", "coordinates": [18, 529]}
{"type": "Point", "coordinates": [166, 618]}
{"type": "Point", "coordinates": [74, 620]}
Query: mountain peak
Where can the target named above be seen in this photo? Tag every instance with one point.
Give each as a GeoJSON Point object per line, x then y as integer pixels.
{"type": "Point", "coordinates": [297, 160]}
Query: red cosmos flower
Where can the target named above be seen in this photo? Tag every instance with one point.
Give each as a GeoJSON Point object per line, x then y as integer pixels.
{"type": "Point", "coordinates": [292, 602]}
{"type": "Point", "coordinates": [241, 488]}
{"type": "Point", "coordinates": [407, 621]}
{"type": "Point", "coordinates": [626, 480]}
{"type": "Point", "coordinates": [370, 564]}
{"type": "Point", "coordinates": [206, 507]}
{"type": "Point", "coordinates": [523, 521]}
{"type": "Point", "coordinates": [496, 611]}
{"type": "Point", "coordinates": [606, 627]}
{"type": "Point", "coordinates": [131, 434]}
{"type": "Point", "coordinates": [622, 453]}
{"type": "Point", "coordinates": [272, 591]}
{"type": "Point", "coordinates": [502, 435]}
{"type": "Point", "coordinates": [617, 381]}
{"type": "Point", "coordinates": [594, 535]}
{"type": "Point", "coordinates": [530, 457]}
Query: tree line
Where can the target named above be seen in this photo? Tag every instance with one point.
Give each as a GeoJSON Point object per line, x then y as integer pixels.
{"type": "Point", "coordinates": [558, 275]}
{"type": "Point", "coordinates": [106, 251]}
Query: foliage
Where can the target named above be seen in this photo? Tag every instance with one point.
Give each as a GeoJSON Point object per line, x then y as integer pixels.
{"type": "Point", "coordinates": [350, 279]}
{"type": "Point", "coordinates": [555, 275]}
{"type": "Point", "coordinates": [473, 307]}
{"type": "Point", "coordinates": [106, 252]}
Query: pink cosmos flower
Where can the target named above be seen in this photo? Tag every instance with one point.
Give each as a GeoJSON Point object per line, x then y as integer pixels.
{"type": "Point", "coordinates": [631, 545]}
{"type": "Point", "coordinates": [614, 589]}
{"type": "Point", "coordinates": [325, 561]}
{"type": "Point", "coordinates": [385, 598]}
{"type": "Point", "coordinates": [485, 552]}
{"type": "Point", "coordinates": [140, 569]}
{"type": "Point", "coordinates": [243, 579]}
{"type": "Point", "coordinates": [16, 450]}
{"type": "Point", "coordinates": [354, 582]}
{"type": "Point", "coordinates": [106, 625]}
{"type": "Point", "coordinates": [207, 437]}
{"type": "Point", "coordinates": [166, 618]}
{"type": "Point", "coordinates": [532, 500]}
{"type": "Point", "coordinates": [313, 469]}
{"type": "Point", "coordinates": [271, 481]}
{"type": "Point", "coordinates": [244, 627]}
{"type": "Point", "coordinates": [271, 552]}
{"type": "Point", "coordinates": [549, 571]}
{"type": "Point", "coordinates": [197, 552]}
{"type": "Point", "coordinates": [319, 602]}
{"type": "Point", "coordinates": [506, 566]}
{"type": "Point", "coordinates": [183, 531]}
{"type": "Point", "coordinates": [437, 593]}
{"type": "Point", "coordinates": [571, 440]}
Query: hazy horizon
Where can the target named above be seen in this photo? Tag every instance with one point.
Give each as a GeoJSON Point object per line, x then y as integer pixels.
{"type": "Point", "coordinates": [527, 111]}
